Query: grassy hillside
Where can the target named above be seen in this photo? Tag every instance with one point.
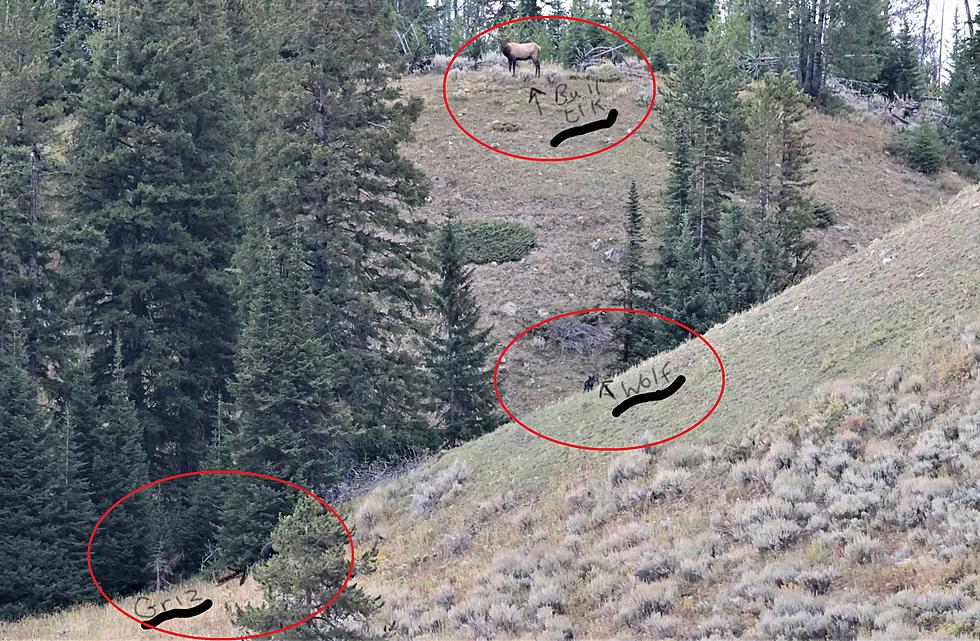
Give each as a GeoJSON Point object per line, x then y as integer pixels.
{"type": "Point", "coordinates": [571, 205]}
{"type": "Point", "coordinates": [735, 526]}
{"type": "Point", "coordinates": [509, 517]}
{"type": "Point", "coordinates": [832, 495]}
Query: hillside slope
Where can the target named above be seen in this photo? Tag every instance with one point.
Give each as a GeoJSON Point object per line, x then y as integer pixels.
{"type": "Point", "coordinates": [849, 512]}
{"type": "Point", "coordinates": [573, 205]}
{"type": "Point", "coordinates": [467, 541]}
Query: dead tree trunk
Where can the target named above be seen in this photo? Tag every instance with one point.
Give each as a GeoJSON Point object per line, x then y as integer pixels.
{"type": "Point", "coordinates": [925, 31]}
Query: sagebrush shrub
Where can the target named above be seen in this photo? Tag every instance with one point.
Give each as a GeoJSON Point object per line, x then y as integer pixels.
{"type": "Point", "coordinates": [367, 518]}
{"type": "Point", "coordinates": [790, 486]}
{"type": "Point", "coordinates": [605, 587]}
{"type": "Point", "coordinates": [655, 564]}
{"type": "Point", "coordinates": [754, 472]}
{"type": "Point", "coordinates": [862, 549]}
{"type": "Point", "coordinates": [627, 466]}
{"type": "Point", "coordinates": [816, 581]}
{"type": "Point", "coordinates": [777, 534]}
{"type": "Point", "coordinates": [455, 543]}
{"type": "Point", "coordinates": [547, 594]}
{"type": "Point", "coordinates": [669, 483]}
{"type": "Point", "coordinates": [505, 617]}
{"type": "Point", "coordinates": [646, 599]}
{"type": "Point", "coordinates": [440, 489]}
{"type": "Point", "coordinates": [660, 626]}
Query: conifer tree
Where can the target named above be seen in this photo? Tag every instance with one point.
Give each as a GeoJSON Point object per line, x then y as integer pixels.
{"type": "Point", "coordinates": [22, 476]}
{"type": "Point", "coordinates": [638, 27]}
{"type": "Point", "coordinates": [26, 234]}
{"type": "Point", "coordinates": [75, 21]}
{"type": "Point", "coordinates": [151, 175]}
{"type": "Point", "coordinates": [291, 424]}
{"type": "Point", "coordinates": [738, 274]}
{"type": "Point", "coordinates": [688, 296]}
{"type": "Point", "coordinates": [632, 271]}
{"type": "Point", "coordinates": [459, 350]}
{"type": "Point", "coordinates": [122, 545]}
{"type": "Point", "coordinates": [776, 178]}
{"type": "Point", "coordinates": [704, 141]}
{"type": "Point", "coordinates": [331, 162]}
{"type": "Point", "coordinates": [962, 96]}
{"type": "Point", "coordinates": [704, 123]}
{"type": "Point", "coordinates": [694, 14]}
{"type": "Point", "coordinates": [290, 417]}
{"type": "Point", "coordinates": [70, 515]}
{"type": "Point", "coordinates": [82, 402]}
{"type": "Point", "coordinates": [900, 71]}
{"type": "Point", "coordinates": [861, 39]}
{"type": "Point", "coordinates": [312, 561]}
{"type": "Point", "coordinates": [193, 542]}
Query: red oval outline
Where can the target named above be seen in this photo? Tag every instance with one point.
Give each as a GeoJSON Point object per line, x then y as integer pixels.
{"type": "Point", "coordinates": [445, 98]}
{"type": "Point", "coordinates": [350, 569]}
{"type": "Point", "coordinates": [609, 449]}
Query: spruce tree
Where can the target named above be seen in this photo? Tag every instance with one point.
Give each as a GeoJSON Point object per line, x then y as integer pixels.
{"type": "Point", "coordinates": [82, 403]}
{"type": "Point", "coordinates": [461, 381]}
{"type": "Point", "coordinates": [70, 515]}
{"type": "Point", "coordinates": [776, 179]}
{"type": "Point", "coordinates": [26, 228]}
{"type": "Point", "coordinates": [704, 142]}
{"type": "Point", "coordinates": [694, 14]}
{"type": "Point", "coordinates": [737, 271]}
{"type": "Point", "coordinates": [291, 423]}
{"type": "Point", "coordinates": [75, 22]}
{"type": "Point", "coordinates": [632, 272]}
{"type": "Point", "coordinates": [196, 528]}
{"type": "Point", "coordinates": [290, 417]}
{"type": "Point", "coordinates": [329, 158]}
{"type": "Point", "coordinates": [704, 123]}
{"type": "Point", "coordinates": [962, 96]}
{"type": "Point", "coordinates": [122, 545]}
{"type": "Point", "coordinates": [312, 561]}
{"type": "Point", "coordinates": [861, 39]}
{"type": "Point", "coordinates": [151, 175]}
{"type": "Point", "coordinates": [688, 295]}
{"type": "Point", "coordinates": [23, 476]}
{"type": "Point", "coordinates": [638, 27]}
{"type": "Point", "coordinates": [900, 71]}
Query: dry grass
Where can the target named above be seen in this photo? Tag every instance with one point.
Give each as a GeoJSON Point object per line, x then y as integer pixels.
{"type": "Point", "coordinates": [775, 355]}
{"type": "Point", "coordinates": [572, 204]}
{"type": "Point", "coordinates": [103, 622]}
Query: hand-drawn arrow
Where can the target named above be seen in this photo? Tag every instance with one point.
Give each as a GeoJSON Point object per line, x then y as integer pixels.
{"type": "Point", "coordinates": [535, 92]}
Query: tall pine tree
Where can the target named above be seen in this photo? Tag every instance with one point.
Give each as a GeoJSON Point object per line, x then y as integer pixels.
{"type": "Point", "coordinates": [459, 350]}
{"type": "Point", "coordinates": [738, 273]}
{"type": "Point", "coordinates": [151, 174]}
{"type": "Point", "coordinates": [633, 275]}
{"type": "Point", "coordinates": [900, 71]}
{"type": "Point", "coordinates": [122, 545]}
{"type": "Point", "coordinates": [70, 514]}
{"type": "Point", "coordinates": [23, 476]}
{"type": "Point", "coordinates": [291, 424]}
{"type": "Point", "coordinates": [776, 179]}
{"type": "Point", "coordinates": [26, 228]}
{"type": "Point", "coordinates": [328, 159]}
{"type": "Point", "coordinates": [963, 97]}
{"type": "Point", "coordinates": [704, 142]}
{"type": "Point", "coordinates": [704, 134]}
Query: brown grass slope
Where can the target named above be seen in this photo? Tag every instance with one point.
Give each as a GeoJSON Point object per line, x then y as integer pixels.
{"type": "Point", "coordinates": [900, 299]}
{"type": "Point", "coordinates": [572, 204]}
